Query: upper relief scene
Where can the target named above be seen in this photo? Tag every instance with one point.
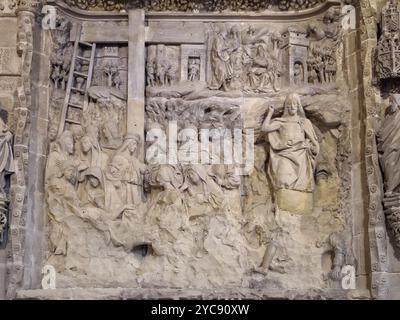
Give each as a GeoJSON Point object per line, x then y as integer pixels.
{"type": "Point", "coordinates": [248, 59]}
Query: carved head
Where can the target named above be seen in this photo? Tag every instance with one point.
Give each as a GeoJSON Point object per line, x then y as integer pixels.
{"type": "Point", "coordinates": [293, 106]}
{"type": "Point", "coordinates": [131, 142]}
{"type": "Point", "coordinates": [196, 174]}
{"type": "Point", "coordinates": [77, 132]}
{"type": "Point", "coordinates": [235, 30]}
{"type": "Point", "coordinates": [52, 133]}
{"type": "Point", "coordinates": [70, 171]}
{"type": "Point", "coordinates": [118, 166]}
{"type": "Point", "coordinates": [94, 176]}
{"type": "Point", "coordinates": [168, 177]}
{"type": "Point", "coordinates": [251, 30]}
{"type": "Point", "coordinates": [66, 142]}
{"type": "Point", "coordinates": [86, 144]}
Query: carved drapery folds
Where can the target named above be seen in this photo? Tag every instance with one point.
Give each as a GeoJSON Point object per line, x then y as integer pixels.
{"type": "Point", "coordinates": [294, 147]}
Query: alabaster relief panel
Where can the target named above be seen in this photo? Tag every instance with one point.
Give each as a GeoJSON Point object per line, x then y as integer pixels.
{"type": "Point", "coordinates": [196, 217]}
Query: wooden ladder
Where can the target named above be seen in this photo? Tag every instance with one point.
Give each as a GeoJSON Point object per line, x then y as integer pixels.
{"type": "Point", "coordinates": [72, 74]}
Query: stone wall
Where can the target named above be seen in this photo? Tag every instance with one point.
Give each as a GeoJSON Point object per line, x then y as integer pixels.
{"type": "Point", "coordinates": [198, 227]}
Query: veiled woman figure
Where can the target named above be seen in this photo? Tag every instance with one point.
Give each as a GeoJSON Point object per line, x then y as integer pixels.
{"type": "Point", "coordinates": [293, 147]}
{"type": "Point", "coordinates": [388, 145]}
{"type": "Point", "coordinates": [167, 216]}
{"type": "Point", "coordinates": [115, 187]}
{"type": "Point", "coordinates": [205, 198]}
{"type": "Point", "coordinates": [93, 194]}
{"type": "Point", "coordinates": [201, 187]}
{"type": "Point", "coordinates": [135, 171]}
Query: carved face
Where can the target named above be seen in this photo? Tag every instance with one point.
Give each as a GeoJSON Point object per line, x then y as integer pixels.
{"type": "Point", "coordinates": [132, 146]}
{"type": "Point", "coordinates": [107, 133]}
{"type": "Point", "coordinates": [52, 133]}
{"type": "Point", "coordinates": [86, 144]}
{"type": "Point", "coordinates": [94, 182]}
{"type": "Point", "coordinates": [114, 170]}
{"type": "Point", "coordinates": [292, 107]}
{"type": "Point", "coordinates": [69, 174]}
{"type": "Point", "coordinates": [69, 145]}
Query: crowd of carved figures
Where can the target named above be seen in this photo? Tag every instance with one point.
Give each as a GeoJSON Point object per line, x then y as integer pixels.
{"type": "Point", "coordinates": [160, 70]}
{"type": "Point", "coordinates": [244, 59]}
{"type": "Point", "coordinates": [321, 65]}
{"type": "Point", "coordinates": [88, 180]}
{"type": "Point", "coordinates": [104, 188]}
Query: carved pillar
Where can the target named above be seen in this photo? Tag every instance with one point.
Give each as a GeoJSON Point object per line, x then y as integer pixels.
{"type": "Point", "coordinates": [136, 74]}
{"type": "Point", "coordinates": [15, 254]}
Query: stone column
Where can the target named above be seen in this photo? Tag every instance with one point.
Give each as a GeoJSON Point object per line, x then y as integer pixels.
{"type": "Point", "coordinates": [136, 75]}
{"type": "Point", "coordinates": [21, 221]}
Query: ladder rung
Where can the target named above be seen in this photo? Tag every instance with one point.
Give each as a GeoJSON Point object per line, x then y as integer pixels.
{"type": "Point", "coordinates": [75, 105]}
{"type": "Point", "coordinates": [86, 43]}
{"type": "Point", "coordinates": [72, 121]}
{"type": "Point", "coordinates": [81, 74]}
{"type": "Point", "coordinates": [77, 90]}
{"type": "Point", "coordinates": [82, 58]}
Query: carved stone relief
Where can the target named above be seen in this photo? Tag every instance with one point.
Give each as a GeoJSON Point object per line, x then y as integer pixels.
{"type": "Point", "coordinates": [145, 186]}
{"type": "Point", "coordinates": [117, 220]}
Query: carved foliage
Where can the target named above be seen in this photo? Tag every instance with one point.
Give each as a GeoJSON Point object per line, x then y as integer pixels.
{"type": "Point", "coordinates": [195, 5]}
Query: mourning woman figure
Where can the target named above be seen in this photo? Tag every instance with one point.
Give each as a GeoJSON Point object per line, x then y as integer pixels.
{"type": "Point", "coordinates": [293, 147]}
{"type": "Point", "coordinates": [93, 194]}
{"type": "Point", "coordinates": [135, 170]}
